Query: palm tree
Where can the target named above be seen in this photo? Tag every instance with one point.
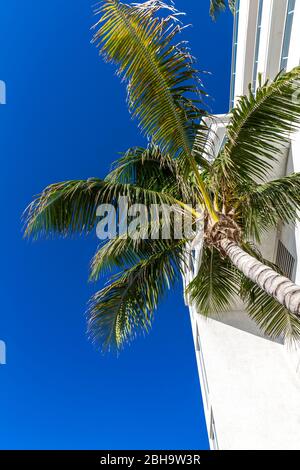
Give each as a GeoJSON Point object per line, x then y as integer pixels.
{"type": "Point", "coordinates": [165, 95]}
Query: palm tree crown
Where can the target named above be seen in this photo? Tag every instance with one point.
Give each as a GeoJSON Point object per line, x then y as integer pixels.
{"type": "Point", "coordinates": [240, 204]}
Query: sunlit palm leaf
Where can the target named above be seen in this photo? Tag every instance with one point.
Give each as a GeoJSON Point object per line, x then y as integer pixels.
{"type": "Point", "coordinates": [232, 5]}
{"type": "Point", "coordinates": [127, 305]}
{"type": "Point", "coordinates": [150, 169]}
{"type": "Point", "coordinates": [137, 165]}
{"type": "Point", "coordinates": [163, 86]}
{"type": "Point", "coordinates": [273, 319]}
{"type": "Point", "coordinates": [118, 252]}
{"type": "Point", "coordinates": [264, 206]}
{"type": "Point", "coordinates": [217, 6]}
{"type": "Point", "coordinates": [70, 207]}
{"type": "Point", "coordinates": [64, 208]}
{"type": "Point", "coordinates": [258, 130]}
{"type": "Point", "coordinates": [215, 287]}
{"type": "Point", "coordinates": [124, 251]}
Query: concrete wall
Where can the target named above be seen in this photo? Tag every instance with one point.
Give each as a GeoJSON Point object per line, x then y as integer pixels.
{"type": "Point", "coordinates": [252, 388]}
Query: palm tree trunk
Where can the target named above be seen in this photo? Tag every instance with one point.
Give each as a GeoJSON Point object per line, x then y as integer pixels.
{"type": "Point", "coordinates": [281, 288]}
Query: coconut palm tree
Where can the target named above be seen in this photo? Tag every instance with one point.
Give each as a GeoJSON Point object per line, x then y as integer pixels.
{"type": "Point", "coordinates": [240, 203]}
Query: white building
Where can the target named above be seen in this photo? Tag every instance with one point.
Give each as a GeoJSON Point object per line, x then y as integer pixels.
{"type": "Point", "coordinates": [250, 384]}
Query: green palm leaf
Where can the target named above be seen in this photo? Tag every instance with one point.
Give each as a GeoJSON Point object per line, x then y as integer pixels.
{"type": "Point", "coordinates": [258, 130]}
{"type": "Point", "coordinates": [125, 307]}
{"type": "Point", "coordinates": [214, 288]}
{"type": "Point", "coordinates": [264, 206]}
{"type": "Point", "coordinates": [125, 251]}
{"type": "Point", "coordinates": [70, 207]}
{"type": "Point", "coordinates": [138, 165]}
{"type": "Point", "coordinates": [217, 6]}
{"type": "Point", "coordinates": [151, 169]}
{"type": "Point", "coordinates": [64, 208]}
{"type": "Point", "coordinates": [160, 75]}
{"type": "Point", "coordinates": [273, 319]}
{"type": "Point", "coordinates": [117, 252]}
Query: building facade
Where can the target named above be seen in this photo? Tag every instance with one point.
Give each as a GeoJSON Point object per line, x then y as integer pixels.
{"type": "Point", "coordinates": [250, 384]}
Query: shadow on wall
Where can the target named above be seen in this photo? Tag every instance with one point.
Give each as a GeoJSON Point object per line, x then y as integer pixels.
{"type": "Point", "coordinates": [240, 320]}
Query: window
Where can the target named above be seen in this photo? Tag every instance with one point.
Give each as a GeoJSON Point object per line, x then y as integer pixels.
{"type": "Point", "coordinates": [287, 34]}
{"type": "Point", "coordinates": [234, 51]}
{"type": "Point", "coordinates": [257, 42]}
{"type": "Point", "coordinates": [285, 260]}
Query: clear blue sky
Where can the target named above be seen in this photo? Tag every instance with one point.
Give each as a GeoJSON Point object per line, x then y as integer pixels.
{"type": "Point", "coordinates": [66, 118]}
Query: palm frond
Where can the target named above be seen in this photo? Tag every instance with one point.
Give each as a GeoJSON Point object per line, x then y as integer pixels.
{"type": "Point", "coordinates": [214, 288]}
{"type": "Point", "coordinates": [71, 206]}
{"type": "Point", "coordinates": [232, 5]}
{"type": "Point", "coordinates": [163, 86]}
{"type": "Point", "coordinates": [65, 207]}
{"type": "Point", "coordinates": [218, 6]}
{"type": "Point", "coordinates": [273, 319]}
{"type": "Point", "coordinates": [126, 306]}
{"type": "Point", "coordinates": [117, 252]}
{"type": "Point", "coordinates": [151, 169]}
{"type": "Point", "coordinates": [125, 251]}
{"type": "Point", "coordinates": [263, 206]}
{"type": "Point", "coordinates": [259, 129]}
{"type": "Point", "coordinates": [138, 165]}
